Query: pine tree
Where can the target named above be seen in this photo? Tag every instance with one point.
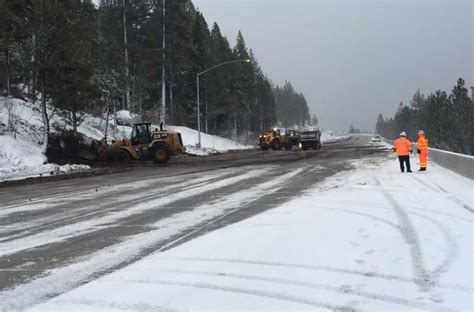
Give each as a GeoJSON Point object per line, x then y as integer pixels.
{"type": "Point", "coordinates": [380, 126]}
{"type": "Point", "coordinates": [462, 118]}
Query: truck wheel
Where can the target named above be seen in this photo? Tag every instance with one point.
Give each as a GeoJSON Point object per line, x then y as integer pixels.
{"type": "Point", "coordinates": [160, 153]}
{"type": "Point", "coordinates": [276, 145]}
{"type": "Point", "coordinates": [118, 155]}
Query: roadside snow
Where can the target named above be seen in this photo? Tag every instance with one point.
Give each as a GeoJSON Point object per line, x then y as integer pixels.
{"type": "Point", "coordinates": [329, 136]}
{"type": "Point", "coordinates": [210, 144]}
{"type": "Point", "coordinates": [372, 239]}
{"type": "Point", "coordinates": [21, 157]}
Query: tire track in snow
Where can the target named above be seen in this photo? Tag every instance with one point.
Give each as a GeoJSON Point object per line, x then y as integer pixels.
{"type": "Point", "coordinates": [113, 306]}
{"type": "Point", "coordinates": [339, 290]}
{"type": "Point", "coordinates": [59, 280]}
{"type": "Point", "coordinates": [251, 292]}
{"type": "Point", "coordinates": [450, 242]}
{"type": "Point", "coordinates": [31, 228]}
{"type": "Point", "coordinates": [317, 268]}
{"type": "Point", "coordinates": [46, 201]}
{"type": "Point", "coordinates": [422, 276]}
{"type": "Point", "coordinates": [84, 194]}
{"type": "Point", "coordinates": [447, 194]}
{"type": "Point", "coordinates": [367, 215]}
{"type": "Point", "coordinates": [68, 231]}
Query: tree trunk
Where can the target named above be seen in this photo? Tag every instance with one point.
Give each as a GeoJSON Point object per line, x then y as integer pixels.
{"type": "Point", "coordinates": [8, 75]}
{"type": "Point", "coordinates": [32, 85]}
{"type": "Point", "coordinates": [74, 117]}
{"type": "Point", "coordinates": [171, 114]}
{"type": "Point", "coordinates": [107, 116]}
{"type": "Point", "coordinates": [115, 119]}
{"type": "Point", "coordinates": [235, 127]}
{"type": "Point", "coordinates": [44, 148]}
{"type": "Point", "coordinates": [126, 103]}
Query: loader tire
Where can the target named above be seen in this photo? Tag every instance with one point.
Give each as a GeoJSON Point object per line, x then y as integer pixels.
{"type": "Point", "coordinates": [118, 155]}
{"type": "Point", "coordinates": [289, 145]}
{"type": "Point", "coordinates": [276, 145]}
{"type": "Point", "coordinates": [160, 153]}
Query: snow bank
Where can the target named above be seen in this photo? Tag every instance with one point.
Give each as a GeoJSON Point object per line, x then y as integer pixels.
{"type": "Point", "coordinates": [126, 117]}
{"type": "Point", "coordinates": [209, 143]}
{"type": "Point", "coordinates": [21, 157]}
{"type": "Point", "coordinates": [329, 136]}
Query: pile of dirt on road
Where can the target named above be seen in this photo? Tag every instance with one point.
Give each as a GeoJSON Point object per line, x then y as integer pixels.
{"type": "Point", "coordinates": [69, 147]}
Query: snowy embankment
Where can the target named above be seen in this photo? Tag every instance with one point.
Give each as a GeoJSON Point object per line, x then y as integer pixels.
{"type": "Point", "coordinates": [21, 157]}
{"type": "Point", "coordinates": [20, 153]}
{"type": "Point", "coordinates": [370, 239]}
{"type": "Point", "coordinates": [330, 137]}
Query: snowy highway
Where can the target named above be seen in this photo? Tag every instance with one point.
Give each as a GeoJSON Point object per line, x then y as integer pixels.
{"type": "Point", "coordinates": [335, 229]}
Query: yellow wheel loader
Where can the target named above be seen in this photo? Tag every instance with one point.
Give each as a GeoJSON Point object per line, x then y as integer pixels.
{"type": "Point", "coordinates": [276, 138]}
{"type": "Point", "coordinates": [144, 144]}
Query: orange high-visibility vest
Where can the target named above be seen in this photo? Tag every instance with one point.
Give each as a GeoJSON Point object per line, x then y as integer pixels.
{"type": "Point", "coordinates": [422, 145]}
{"type": "Point", "coordinates": [402, 146]}
{"type": "Point", "coordinates": [422, 142]}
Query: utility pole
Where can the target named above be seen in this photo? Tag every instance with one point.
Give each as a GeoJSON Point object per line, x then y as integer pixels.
{"type": "Point", "coordinates": [163, 82]}
{"type": "Point", "coordinates": [127, 73]}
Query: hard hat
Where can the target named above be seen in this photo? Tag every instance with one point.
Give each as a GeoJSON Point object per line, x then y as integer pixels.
{"type": "Point", "coordinates": [403, 133]}
{"type": "Point", "coordinates": [421, 132]}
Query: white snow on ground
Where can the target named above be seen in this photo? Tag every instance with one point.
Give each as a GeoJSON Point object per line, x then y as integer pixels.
{"type": "Point", "coordinates": [370, 239]}
{"type": "Point", "coordinates": [329, 136]}
{"type": "Point", "coordinates": [21, 157]}
{"type": "Point", "coordinates": [57, 280]}
{"type": "Point", "coordinates": [209, 143]}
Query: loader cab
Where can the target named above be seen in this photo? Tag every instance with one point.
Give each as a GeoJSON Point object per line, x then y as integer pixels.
{"type": "Point", "coordinates": [141, 134]}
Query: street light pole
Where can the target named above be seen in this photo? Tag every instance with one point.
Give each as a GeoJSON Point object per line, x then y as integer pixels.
{"type": "Point", "coordinates": [197, 92]}
{"type": "Point", "coordinates": [163, 73]}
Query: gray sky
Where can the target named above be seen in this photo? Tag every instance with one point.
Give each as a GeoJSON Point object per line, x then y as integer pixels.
{"type": "Point", "coordinates": [353, 59]}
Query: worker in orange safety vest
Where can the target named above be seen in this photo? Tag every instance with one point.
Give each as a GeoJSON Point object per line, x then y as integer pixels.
{"type": "Point", "coordinates": [403, 147]}
{"type": "Point", "coordinates": [422, 149]}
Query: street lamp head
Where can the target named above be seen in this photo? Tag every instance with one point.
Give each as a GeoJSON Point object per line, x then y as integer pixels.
{"type": "Point", "coordinates": [248, 61]}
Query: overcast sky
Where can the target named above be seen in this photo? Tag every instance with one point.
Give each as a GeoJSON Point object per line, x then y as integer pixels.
{"type": "Point", "coordinates": [355, 58]}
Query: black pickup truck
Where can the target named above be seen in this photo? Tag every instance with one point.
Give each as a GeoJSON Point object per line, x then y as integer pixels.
{"type": "Point", "coordinates": [310, 139]}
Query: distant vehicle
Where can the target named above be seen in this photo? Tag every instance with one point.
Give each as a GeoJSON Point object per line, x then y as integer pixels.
{"type": "Point", "coordinates": [310, 139]}
{"type": "Point", "coordinates": [376, 138]}
{"type": "Point", "coordinates": [275, 138]}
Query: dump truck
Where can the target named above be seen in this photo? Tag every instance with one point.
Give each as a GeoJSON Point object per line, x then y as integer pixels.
{"type": "Point", "coordinates": [276, 138]}
{"type": "Point", "coordinates": [144, 144]}
{"type": "Point", "coordinates": [310, 139]}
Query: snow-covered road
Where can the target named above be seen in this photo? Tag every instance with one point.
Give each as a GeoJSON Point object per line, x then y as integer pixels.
{"type": "Point", "coordinates": [368, 239]}
{"type": "Point", "coordinates": [335, 228]}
